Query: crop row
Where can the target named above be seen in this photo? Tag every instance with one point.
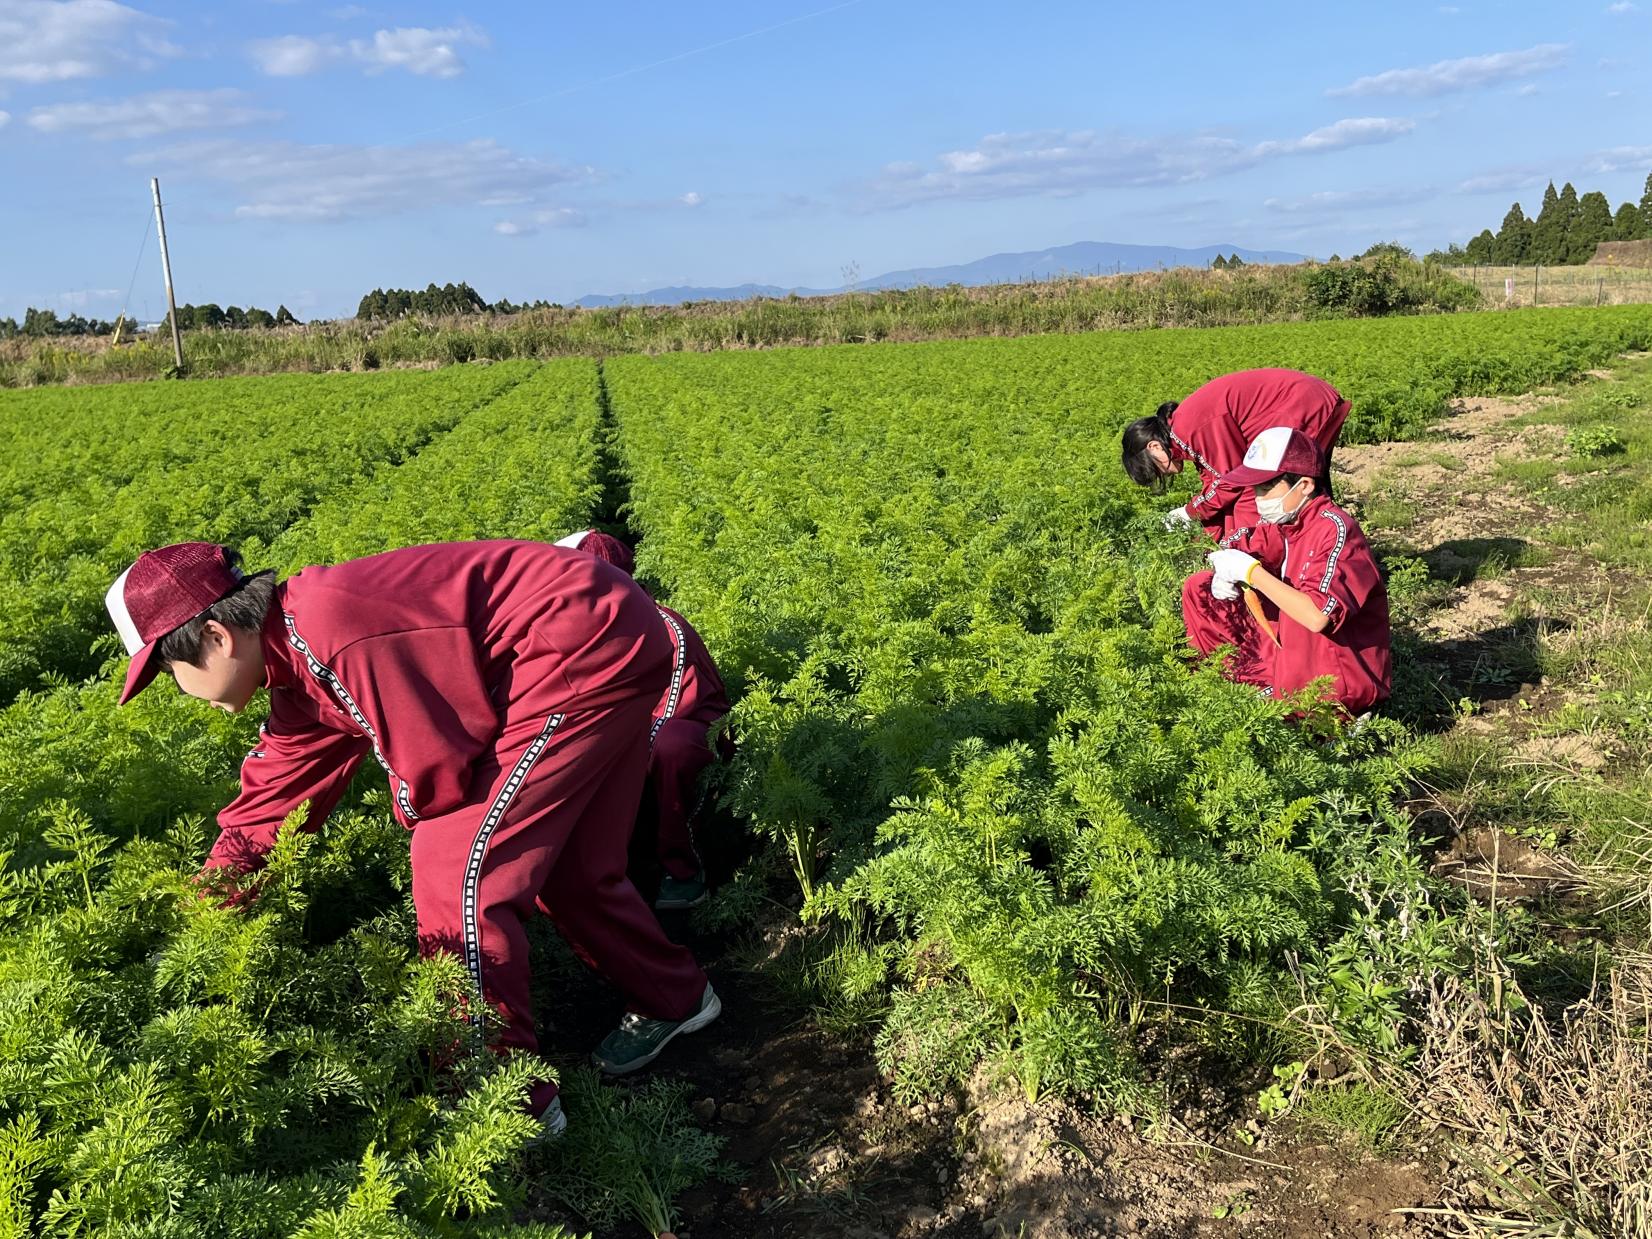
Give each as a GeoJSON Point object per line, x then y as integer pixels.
{"type": "Point", "coordinates": [89, 486]}
{"type": "Point", "coordinates": [171, 1068]}
{"type": "Point", "coordinates": [967, 719]}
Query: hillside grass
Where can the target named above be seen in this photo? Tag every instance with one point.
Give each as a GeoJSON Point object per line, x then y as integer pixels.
{"type": "Point", "coordinates": [1175, 298]}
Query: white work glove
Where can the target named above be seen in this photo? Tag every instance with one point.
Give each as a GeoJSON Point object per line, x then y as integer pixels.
{"type": "Point", "coordinates": [1177, 518]}
{"type": "Point", "coordinates": [1230, 569]}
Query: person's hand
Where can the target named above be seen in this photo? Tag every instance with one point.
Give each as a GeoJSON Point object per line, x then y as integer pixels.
{"type": "Point", "coordinates": [1177, 518]}
{"type": "Point", "coordinates": [1224, 589]}
{"type": "Point", "coordinates": [1232, 566]}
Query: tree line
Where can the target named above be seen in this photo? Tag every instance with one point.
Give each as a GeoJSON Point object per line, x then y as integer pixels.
{"type": "Point", "coordinates": [47, 323]}
{"type": "Point", "coordinates": [1566, 230]}
{"type": "Point", "coordinates": [461, 298]}
{"type": "Point", "coordinates": [39, 323]}
{"type": "Point", "coordinates": [232, 318]}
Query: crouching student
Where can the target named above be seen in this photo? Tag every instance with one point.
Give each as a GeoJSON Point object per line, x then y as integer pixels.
{"type": "Point", "coordinates": [693, 703]}
{"type": "Point", "coordinates": [1322, 608]}
{"type": "Point", "coordinates": [506, 689]}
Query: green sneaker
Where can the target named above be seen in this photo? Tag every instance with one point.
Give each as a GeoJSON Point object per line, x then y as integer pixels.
{"type": "Point", "coordinates": [678, 894]}
{"type": "Point", "coordinates": [638, 1040]}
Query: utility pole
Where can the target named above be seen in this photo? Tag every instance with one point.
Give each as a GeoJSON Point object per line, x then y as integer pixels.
{"type": "Point", "coordinates": [166, 267]}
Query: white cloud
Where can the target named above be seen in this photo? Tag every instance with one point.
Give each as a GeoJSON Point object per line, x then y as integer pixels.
{"type": "Point", "coordinates": [1529, 89]}
{"type": "Point", "coordinates": [1619, 159]}
{"type": "Point", "coordinates": [59, 40]}
{"type": "Point", "coordinates": [291, 181]}
{"type": "Point", "coordinates": [1009, 165]}
{"type": "Point", "coordinates": [150, 115]}
{"type": "Point", "coordinates": [4, 117]}
{"type": "Point", "coordinates": [349, 13]}
{"type": "Point", "coordinates": [418, 50]}
{"type": "Point", "coordinates": [293, 55]}
{"type": "Point", "coordinates": [691, 199]}
{"type": "Point", "coordinates": [81, 298]}
{"type": "Point", "coordinates": [1622, 6]}
{"type": "Point", "coordinates": [1468, 73]}
{"type": "Point", "coordinates": [556, 217]}
{"type": "Point", "coordinates": [1329, 201]}
{"type": "Point", "coordinates": [1502, 180]}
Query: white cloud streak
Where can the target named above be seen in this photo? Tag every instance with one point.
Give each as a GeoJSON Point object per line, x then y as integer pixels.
{"type": "Point", "coordinates": [45, 41]}
{"type": "Point", "coordinates": [1011, 165]}
{"type": "Point", "coordinates": [1619, 159]}
{"type": "Point", "coordinates": [151, 115]}
{"type": "Point", "coordinates": [5, 118]}
{"type": "Point", "coordinates": [1502, 180]}
{"type": "Point", "coordinates": [415, 49]}
{"type": "Point", "coordinates": [556, 217]}
{"type": "Point", "coordinates": [1336, 201]}
{"type": "Point", "coordinates": [295, 182]}
{"type": "Point", "coordinates": [1468, 73]}
{"type": "Point", "coordinates": [1620, 8]}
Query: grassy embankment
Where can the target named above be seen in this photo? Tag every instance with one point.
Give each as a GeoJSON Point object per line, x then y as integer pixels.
{"type": "Point", "coordinates": [1178, 298]}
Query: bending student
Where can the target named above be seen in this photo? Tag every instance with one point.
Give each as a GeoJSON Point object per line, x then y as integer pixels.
{"type": "Point", "coordinates": [505, 688]}
{"type": "Point", "coordinates": [1212, 428]}
{"type": "Point", "coordinates": [693, 703]}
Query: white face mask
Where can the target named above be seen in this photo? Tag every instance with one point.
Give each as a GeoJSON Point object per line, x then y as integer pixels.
{"type": "Point", "coordinates": [1273, 512]}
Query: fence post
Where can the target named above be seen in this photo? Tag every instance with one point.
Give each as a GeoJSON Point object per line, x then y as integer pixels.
{"type": "Point", "coordinates": [1536, 286]}
{"type": "Point", "coordinates": [1600, 288]}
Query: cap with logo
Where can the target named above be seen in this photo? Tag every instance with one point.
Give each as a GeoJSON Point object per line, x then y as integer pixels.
{"type": "Point", "coordinates": [164, 589]}
{"type": "Point", "coordinates": [1277, 450]}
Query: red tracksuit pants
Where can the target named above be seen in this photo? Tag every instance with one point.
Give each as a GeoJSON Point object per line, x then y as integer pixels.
{"type": "Point", "coordinates": [1213, 622]}
{"type": "Point", "coordinates": [552, 835]}
{"type": "Point", "coordinates": [681, 754]}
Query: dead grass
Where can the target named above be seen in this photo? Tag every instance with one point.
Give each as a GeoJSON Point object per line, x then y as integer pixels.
{"type": "Point", "coordinates": [1586, 285]}
{"type": "Point", "coordinates": [1554, 1115]}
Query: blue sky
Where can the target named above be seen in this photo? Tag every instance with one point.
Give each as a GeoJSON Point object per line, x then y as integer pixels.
{"type": "Point", "coordinates": [312, 149]}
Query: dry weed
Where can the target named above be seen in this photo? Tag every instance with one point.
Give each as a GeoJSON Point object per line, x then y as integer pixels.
{"type": "Point", "coordinates": [1555, 1116]}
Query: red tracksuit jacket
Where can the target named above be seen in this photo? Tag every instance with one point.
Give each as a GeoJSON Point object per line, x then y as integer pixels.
{"type": "Point", "coordinates": [1324, 554]}
{"type": "Point", "coordinates": [1215, 425]}
{"type": "Point", "coordinates": [696, 692]}
{"type": "Point", "coordinates": [408, 656]}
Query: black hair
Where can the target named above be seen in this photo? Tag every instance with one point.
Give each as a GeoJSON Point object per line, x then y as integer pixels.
{"type": "Point", "coordinates": [1138, 462]}
{"type": "Point", "coordinates": [246, 606]}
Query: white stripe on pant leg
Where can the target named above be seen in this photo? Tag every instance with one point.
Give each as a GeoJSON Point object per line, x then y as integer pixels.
{"type": "Point", "coordinates": [674, 695]}
{"type": "Point", "coordinates": [470, 898]}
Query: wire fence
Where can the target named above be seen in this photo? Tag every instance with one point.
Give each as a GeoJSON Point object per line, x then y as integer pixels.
{"type": "Point", "coordinates": [1586, 285]}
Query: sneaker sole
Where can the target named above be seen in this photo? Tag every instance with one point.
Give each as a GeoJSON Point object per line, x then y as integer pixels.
{"type": "Point", "coordinates": [693, 1023]}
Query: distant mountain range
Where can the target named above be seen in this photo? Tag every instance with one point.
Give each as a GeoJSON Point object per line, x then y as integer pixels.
{"type": "Point", "coordinates": [1082, 258]}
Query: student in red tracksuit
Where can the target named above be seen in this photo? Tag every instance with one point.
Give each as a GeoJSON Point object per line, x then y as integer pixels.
{"type": "Point", "coordinates": [505, 688]}
{"type": "Point", "coordinates": [1326, 608]}
{"type": "Point", "coordinates": [693, 703]}
{"type": "Point", "coordinates": [1212, 428]}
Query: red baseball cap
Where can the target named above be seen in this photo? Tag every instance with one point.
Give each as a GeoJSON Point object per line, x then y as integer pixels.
{"type": "Point", "coordinates": [163, 590]}
{"type": "Point", "coordinates": [605, 547]}
{"type": "Point", "coordinates": [1277, 450]}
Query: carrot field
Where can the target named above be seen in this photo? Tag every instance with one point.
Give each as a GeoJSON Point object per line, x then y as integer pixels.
{"type": "Point", "coordinates": [983, 813]}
